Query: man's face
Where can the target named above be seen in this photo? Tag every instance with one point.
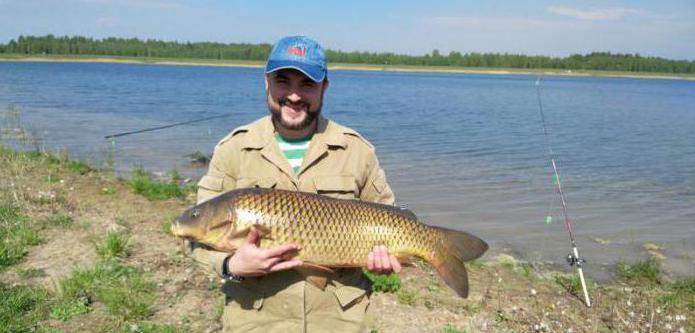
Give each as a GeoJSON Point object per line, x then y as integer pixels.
{"type": "Point", "coordinates": [294, 100]}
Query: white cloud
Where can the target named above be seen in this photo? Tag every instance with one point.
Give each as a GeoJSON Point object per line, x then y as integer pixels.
{"type": "Point", "coordinates": [598, 14]}
{"type": "Point", "coordinates": [492, 23]}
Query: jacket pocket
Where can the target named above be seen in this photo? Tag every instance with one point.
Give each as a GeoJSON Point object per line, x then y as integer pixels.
{"type": "Point", "coordinates": [348, 296]}
{"type": "Point", "coordinates": [211, 183]}
{"type": "Point", "coordinates": [337, 186]}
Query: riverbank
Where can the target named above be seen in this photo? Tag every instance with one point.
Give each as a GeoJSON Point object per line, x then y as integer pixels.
{"type": "Point", "coordinates": [82, 250]}
{"type": "Point", "coordinates": [339, 66]}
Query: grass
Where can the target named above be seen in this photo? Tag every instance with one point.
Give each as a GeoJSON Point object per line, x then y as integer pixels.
{"type": "Point", "coordinates": [166, 223]}
{"type": "Point", "coordinates": [21, 308]}
{"type": "Point", "coordinates": [115, 245]}
{"type": "Point", "coordinates": [153, 190]}
{"type": "Point", "coordinates": [407, 297]}
{"type": "Point", "coordinates": [147, 327]}
{"type": "Point", "coordinates": [108, 190]}
{"type": "Point", "coordinates": [59, 220]}
{"type": "Point", "coordinates": [68, 309]}
{"type": "Point", "coordinates": [572, 283]}
{"type": "Point", "coordinates": [679, 292]}
{"type": "Point", "coordinates": [199, 159]}
{"type": "Point", "coordinates": [451, 329]}
{"type": "Point", "coordinates": [390, 283]}
{"type": "Point", "coordinates": [640, 273]}
{"type": "Point", "coordinates": [49, 159]}
{"type": "Point", "coordinates": [16, 234]}
{"type": "Point", "coordinates": [30, 273]}
{"type": "Point", "coordinates": [124, 291]}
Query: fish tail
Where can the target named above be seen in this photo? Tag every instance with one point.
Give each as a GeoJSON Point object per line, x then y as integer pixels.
{"type": "Point", "coordinates": [457, 247]}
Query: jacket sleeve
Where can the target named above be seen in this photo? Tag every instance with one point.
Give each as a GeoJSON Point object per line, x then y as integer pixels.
{"type": "Point", "coordinates": [218, 180]}
{"type": "Point", "coordinates": [376, 189]}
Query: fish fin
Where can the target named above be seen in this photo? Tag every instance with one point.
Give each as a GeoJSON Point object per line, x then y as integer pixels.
{"type": "Point", "coordinates": [405, 259]}
{"type": "Point", "coordinates": [462, 244]}
{"type": "Point", "coordinates": [316, 275]}
{"type": "Point", "coordinates": [453, 272]}
{"type": "Point", "coordinates": [318, 268]}
{"type": "Point", "coordinates": [317, 281]}
{"type": "Point", "coordinates": [457, 247]}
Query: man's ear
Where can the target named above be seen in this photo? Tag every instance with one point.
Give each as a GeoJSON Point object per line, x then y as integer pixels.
{"type": "Point", "coordinates": [267, 82]}
{"type": "Point", "coordinates": [325, 85]}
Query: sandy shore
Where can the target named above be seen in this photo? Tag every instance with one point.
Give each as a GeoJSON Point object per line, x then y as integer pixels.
{"type": "Point", "coordinates": [339, 67]}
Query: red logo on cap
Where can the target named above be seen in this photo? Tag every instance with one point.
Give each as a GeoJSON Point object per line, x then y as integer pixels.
{"type": "Point", "coordinates": [298, 51]}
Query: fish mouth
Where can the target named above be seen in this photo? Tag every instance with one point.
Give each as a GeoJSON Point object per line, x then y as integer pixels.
{"type": "Point", "coordinates": [178, 230]}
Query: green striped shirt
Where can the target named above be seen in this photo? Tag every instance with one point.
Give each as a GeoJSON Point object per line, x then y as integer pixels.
{"type": "Point", "coordinates": [294, 150]}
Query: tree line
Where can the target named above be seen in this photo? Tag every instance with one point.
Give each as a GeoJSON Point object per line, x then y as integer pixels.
{"type": "Point", "coordinates": [133, 47]}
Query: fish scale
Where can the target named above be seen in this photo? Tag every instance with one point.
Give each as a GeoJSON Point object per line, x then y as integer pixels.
{"type": "Point", "coordinates": [331, 232]}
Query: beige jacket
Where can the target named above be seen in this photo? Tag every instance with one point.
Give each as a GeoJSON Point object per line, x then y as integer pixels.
{"type": "Point", "coordinates": [338, 163]}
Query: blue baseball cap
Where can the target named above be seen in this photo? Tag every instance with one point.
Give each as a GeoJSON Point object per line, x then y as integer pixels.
{"type": "Point", "coordinates": [301, 53]}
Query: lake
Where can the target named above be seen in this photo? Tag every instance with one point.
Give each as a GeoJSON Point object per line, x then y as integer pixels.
{"type": "Point", "coordinates": [465, 151]}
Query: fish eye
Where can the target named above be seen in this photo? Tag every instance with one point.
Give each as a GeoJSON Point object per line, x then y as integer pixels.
{"type": "Point", "coordinates": [195, 213]}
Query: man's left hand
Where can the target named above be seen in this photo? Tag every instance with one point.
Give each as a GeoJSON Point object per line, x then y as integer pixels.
{"type": "Point", "coordinates": [381, 262]}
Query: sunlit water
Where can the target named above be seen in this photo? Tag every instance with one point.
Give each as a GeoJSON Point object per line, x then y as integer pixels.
{"type": "Point", "coordinates": [463, 151]}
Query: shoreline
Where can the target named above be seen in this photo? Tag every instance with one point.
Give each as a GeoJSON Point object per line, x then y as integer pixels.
{"type": "Point", "coordinates": [343, 67]}
{"type": "Point", "coordinates": [72, 279]}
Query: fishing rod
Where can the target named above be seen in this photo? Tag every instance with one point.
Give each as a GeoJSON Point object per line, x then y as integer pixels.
{"type": "Point", "coordinates": [112, 136]}
{"type": "Point", "coordinates": [573, 259]}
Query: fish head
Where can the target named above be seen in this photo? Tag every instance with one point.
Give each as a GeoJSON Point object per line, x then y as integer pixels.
{"type": "Point", "coordinates": [207, 222]}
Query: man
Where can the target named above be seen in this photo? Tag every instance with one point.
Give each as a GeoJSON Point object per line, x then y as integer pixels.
{"type": "Point", "coordinates": [295, 148]}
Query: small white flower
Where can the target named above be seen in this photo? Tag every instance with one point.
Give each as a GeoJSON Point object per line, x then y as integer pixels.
{"type": "Point", "coordinates": [533, 292]}
{"type": "Point", "coordinates": [668, 327]}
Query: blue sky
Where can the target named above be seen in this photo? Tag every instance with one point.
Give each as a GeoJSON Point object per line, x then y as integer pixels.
{"type": "Point", "coordinates": [663, 28]}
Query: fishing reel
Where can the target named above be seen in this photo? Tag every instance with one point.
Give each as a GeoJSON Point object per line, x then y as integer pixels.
{"type": "Point", "coordinates": [573, 260]}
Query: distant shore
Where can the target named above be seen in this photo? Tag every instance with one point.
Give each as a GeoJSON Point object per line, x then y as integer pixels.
{"type": "Point", "coordinates": [342, 66]}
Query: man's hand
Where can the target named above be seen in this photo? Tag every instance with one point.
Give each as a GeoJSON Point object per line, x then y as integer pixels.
{"type": "Point", "coordinates": [380, 261]}
{"type": "Point", "coordinates": [250, 260]}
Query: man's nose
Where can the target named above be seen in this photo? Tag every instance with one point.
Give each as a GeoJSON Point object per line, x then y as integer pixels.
{"type": "Point", "coordinates": [294, 97]}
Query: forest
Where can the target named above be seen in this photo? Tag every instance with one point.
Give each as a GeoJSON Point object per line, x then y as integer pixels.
{"type": "Point", "coordinates": [150, 48]}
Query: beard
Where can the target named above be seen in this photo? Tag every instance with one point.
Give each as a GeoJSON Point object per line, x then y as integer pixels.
{"type": "Point", "coordinates": [310, 115]}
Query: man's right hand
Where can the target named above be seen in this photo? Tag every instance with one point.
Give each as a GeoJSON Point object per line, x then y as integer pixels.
{"type": "Point", "coordinates": [251, 260]}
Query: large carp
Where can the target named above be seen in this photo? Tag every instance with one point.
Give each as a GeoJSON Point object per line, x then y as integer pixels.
{"type": "Point", "coordinates": [331, 232]}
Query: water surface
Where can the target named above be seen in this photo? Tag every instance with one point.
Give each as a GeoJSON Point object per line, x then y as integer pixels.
{"type": "Point", "coordinates": [461, 150]}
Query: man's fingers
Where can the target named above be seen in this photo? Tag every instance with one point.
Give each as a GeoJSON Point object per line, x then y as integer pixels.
{"type": "Point", "coordinates": [384, 257]}
{"type": "Point", "coordinates": [284, 265]}
{"type": "Point", "coordinates": [282, 250]}
{"type": "Point", "coordinates": [370, 261]}
{"type": "Point", "coordinates": [378, 263]}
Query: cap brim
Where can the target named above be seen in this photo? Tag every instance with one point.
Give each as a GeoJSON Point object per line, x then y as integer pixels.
{"type": "Point", "coordinates": [314, 72]}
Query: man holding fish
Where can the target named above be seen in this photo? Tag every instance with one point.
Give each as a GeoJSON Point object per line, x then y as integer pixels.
{"type": "Point", "coordinates": [297, 149]}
